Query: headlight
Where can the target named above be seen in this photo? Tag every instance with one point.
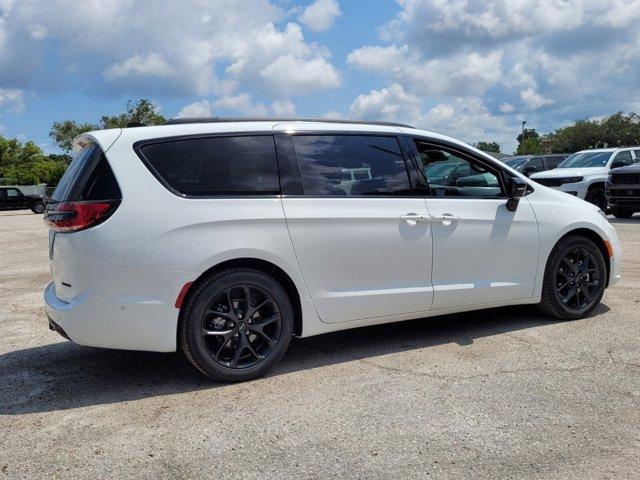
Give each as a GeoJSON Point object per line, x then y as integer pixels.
{"type": "Point", "coordinates": [572, 179]}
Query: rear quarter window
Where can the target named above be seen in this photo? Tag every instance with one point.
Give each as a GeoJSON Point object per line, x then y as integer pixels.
{"type": "Point", "coordinates": [88, 177]}
{"type": "Point", "coordinates": [234, 165]}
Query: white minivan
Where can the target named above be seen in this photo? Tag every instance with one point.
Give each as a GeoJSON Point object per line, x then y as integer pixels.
{"type": "Point", "coordinates": [223, 239]}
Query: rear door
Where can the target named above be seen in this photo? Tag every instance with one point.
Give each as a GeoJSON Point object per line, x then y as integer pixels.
{"type": "Point", "coordinates": [362, 240]}
{"type": "Point", "coordinates": [482, 253]}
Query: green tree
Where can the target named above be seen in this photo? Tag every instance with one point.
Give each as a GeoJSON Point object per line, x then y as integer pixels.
{"type": "Point", "coordinates": [143, 111]}
{"type": "Point", "coordinates": [488, 146]}
{"type": "Point", "coordinates": [65, 131]}
{"type": "Point", "coordinates": [617, 130]}
{"type": "Point", "coordinates": [530, 143]}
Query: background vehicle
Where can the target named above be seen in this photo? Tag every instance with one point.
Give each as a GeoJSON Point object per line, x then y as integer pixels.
{"type": "Point", "coordinates": [225, 238]}
{"type": "Point", "coordinates": [12, 198]}
{"type": "Point", "coordinates": [623, 190]}
{"type": "Point", "coordinates": [530, 164]}
{"type": "Point", "coordinates": [585, 173]}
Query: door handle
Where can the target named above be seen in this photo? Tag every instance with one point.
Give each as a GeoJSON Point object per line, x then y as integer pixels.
{"type": "Point", "coordinates": [415, 217]}
{"type": "Point", "coordinates": [446, 218]}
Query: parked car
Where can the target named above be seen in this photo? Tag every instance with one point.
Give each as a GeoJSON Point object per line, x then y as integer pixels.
{"type": "Point", "coordinates": [223, 239]}
{"type": "Point", "coordinates": [585, 173]}
{"type": "Point", "coordinates": [12, 198]}
{"type": "Point", "coordinates": [623, 190]}
{"type": "Point", "coordinates": [530, 164]}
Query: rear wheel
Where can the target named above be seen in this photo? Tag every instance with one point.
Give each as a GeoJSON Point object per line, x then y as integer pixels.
{"type": "Point", "coordinates": [38, 208]}
{"type": "Point", "coordinates": [574, 279]}
{"type": "Point", "coordinates": [619, 212]}
{"type": "Point", "coordinates": [236, 325]}
{"type": "Point", "coordinates": [598, 198]}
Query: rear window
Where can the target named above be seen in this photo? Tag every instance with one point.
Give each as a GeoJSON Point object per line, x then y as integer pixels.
{"type": "Point", "coordinates": [89, 177]}
{"type": "Point", "coordinates": [241, 165]}
{"type": "Point", "coordinates": [351, 165]}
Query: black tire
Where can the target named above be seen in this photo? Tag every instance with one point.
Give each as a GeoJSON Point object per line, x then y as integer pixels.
{"type": "Point", "coordinates": [619, 212]}
{"type": "Point", "coordinates": [38, 208]}
{"type": "Point", "coordinates": [217, 322]}
{"type": "Point", "coordinates": [597, 197]}
{"type": "Point", "coordinates": [555, 293]}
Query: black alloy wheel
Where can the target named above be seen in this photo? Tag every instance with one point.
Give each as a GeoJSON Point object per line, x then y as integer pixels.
{"type": "Point", "coordinates": [241, 326]}
{"type": "Point", "coordinates": [236, 324]}
{"type": "Point", "coordinates": [578, 279]}
{"type": "Point", "coordinates": [574, 280]}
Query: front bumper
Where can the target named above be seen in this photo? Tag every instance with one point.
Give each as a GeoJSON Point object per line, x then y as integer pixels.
{"type": "Point", "coordinates": [625, 196]}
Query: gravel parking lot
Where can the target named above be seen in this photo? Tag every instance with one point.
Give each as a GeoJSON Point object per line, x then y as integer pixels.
{"type": "Point", "coordinates": [500, 393]}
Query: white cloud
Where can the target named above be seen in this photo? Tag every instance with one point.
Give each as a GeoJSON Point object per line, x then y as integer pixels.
{"type": "Point", "coordinates": [461, 74]}
{"type": "Point", "coordinates": [214, 47]}
{"type": "Point", "coordinates": [152, 65]}
{"type": "Point", "coordinates": [283, 108]}
{"type": "Point", "coordinates": [533, 99]}
{"type": "Point", "coordinates": [506, 108]}
{"type": "Point", "coordinates": [320, 15]}
{"type": "Point", "coordinates": [202, 108]}
{"type": "Point", "coordinates": [11, 100]}
{"type": "Point", "coordinates": [293, 76]}
{"type": "Point", "coordinates": [391, 103]}
{"type": "Point", "coordinates": [241, 104]}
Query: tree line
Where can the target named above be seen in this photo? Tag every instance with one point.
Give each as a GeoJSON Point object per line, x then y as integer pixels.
{"type": "Point", "coordinates": [617, 130]}
{"type": "Point", "coordinates": [24, 163]}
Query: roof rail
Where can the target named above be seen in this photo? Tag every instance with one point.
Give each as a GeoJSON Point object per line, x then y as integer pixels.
{"type": "Point", "coordinates": [179, 121]}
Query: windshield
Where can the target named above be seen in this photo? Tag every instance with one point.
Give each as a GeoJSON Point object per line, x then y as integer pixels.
{"type": "Point", "coordinates": [516, 162]}
{"type": "Point", "coordinates": [586, 159]}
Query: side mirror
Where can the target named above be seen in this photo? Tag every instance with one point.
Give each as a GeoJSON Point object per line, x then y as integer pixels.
{"type": "Point", "coordinates": [518, 189]}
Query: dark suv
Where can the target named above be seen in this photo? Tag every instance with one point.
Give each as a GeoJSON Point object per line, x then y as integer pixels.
{"type": "Point", "coordinates": [623, 190]}
{"type": "Point", "coordinates": [528, 164]}
{"type": "Point", "coordinates": [11, 198]}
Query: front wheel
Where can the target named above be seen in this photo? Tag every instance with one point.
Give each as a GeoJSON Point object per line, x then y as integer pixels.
{"type": "Point", "coordinates": [574, 279]}
{"type": "Point", "coordinates": [38, 208]}
{"type": "Point", "coordinates": [597, 197]}
{"type": "Point", "coordinates": [236, 325]}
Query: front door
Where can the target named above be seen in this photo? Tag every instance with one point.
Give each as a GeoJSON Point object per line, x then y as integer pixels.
{"type": "Point", "coordinates": [482, 252]}
{"type": "Point", "coordinates": [363, 243]}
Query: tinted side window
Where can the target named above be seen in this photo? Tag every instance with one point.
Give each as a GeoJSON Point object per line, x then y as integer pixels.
{"type": "Point", "coordinates": [553, 162]}
{"type": "Point", "coordinates": [12, 192]}
{"type": "Point", "coordinates": [454, 175]}
{"type": "Point", "coordinates": [243, 165]}
{"type": "Point", "coordinates": [535, 164]}
{"type": "Point", "coordinates": [89, 177]}
{"type": "Point", "coordinates": [351, 165]}
{"type": "Point", "coordinates": [624, 157]}
{"type": "Point", "coordinates": [637, 153]}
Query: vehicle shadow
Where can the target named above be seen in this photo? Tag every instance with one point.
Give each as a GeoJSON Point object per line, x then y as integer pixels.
{"type": "Point", "coordinates": [63, 375]}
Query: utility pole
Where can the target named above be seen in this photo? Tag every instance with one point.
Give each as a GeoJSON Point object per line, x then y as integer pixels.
{"type": "Point", "coordinates": [524, 122]}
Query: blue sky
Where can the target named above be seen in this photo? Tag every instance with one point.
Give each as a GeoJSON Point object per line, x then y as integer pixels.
{"type": "Point", "coordinates": [468, 68]}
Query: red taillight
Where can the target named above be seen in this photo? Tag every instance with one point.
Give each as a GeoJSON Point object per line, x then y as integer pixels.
{"type": "Point", "coordinates": [74, 216]}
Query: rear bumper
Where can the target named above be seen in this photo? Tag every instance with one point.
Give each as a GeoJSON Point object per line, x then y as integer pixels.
{"type": "Point", "coordinates": [113, 319]}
